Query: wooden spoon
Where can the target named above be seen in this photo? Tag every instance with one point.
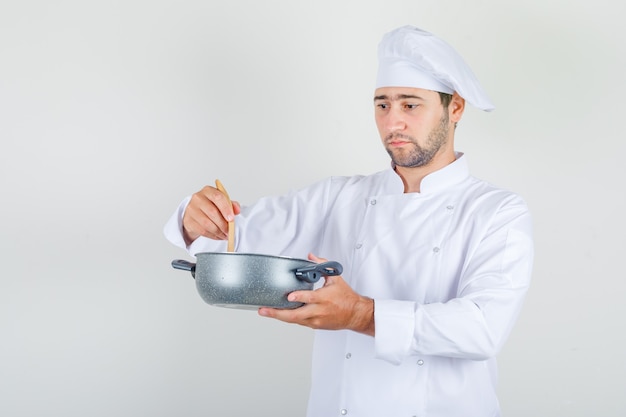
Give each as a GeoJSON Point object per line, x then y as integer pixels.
{"type": "Point", "coordinates": [231, 224]}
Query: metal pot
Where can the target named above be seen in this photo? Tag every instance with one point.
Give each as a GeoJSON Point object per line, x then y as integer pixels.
{"type": "Point", "coordinates": [250, 281]}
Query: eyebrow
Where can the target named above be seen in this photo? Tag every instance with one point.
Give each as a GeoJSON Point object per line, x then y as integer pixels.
{"type": "Point", "coordinates": [398, 97]}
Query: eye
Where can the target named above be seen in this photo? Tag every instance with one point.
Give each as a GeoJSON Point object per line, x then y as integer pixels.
{"type": "Point", "coordinates": [410, 106]}
{"type": "Point", "coordinates": [382, 106]}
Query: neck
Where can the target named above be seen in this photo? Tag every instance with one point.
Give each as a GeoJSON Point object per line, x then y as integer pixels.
{"type": "Point", "coordinates": [412, 176]}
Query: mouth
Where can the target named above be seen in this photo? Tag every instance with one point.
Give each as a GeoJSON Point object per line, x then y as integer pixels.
{"type": "Point", "coordinates": [398, 140]}
{"type": "Point", "coordinates": [396, 143]}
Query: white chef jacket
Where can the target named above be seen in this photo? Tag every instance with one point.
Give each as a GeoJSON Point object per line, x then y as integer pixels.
{"type": "Point", "coordinates": [448, 269]}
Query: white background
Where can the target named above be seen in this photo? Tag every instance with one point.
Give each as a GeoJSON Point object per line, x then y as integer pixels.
{"type": "Point", "coordinates": [112, 111]}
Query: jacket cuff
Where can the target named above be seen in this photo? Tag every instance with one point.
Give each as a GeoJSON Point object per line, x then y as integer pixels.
{"type": "Point", "coordinates": [173, 229]}
{"type": "Point", "coordinates": [395, 327]}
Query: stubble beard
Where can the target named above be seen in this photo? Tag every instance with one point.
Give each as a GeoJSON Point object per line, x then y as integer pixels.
{"type": "Point", "coordinates": [420, 156]}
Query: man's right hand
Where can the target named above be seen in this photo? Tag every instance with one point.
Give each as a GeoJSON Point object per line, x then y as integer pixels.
{"type": "Point", "coordinates": [208, 214]}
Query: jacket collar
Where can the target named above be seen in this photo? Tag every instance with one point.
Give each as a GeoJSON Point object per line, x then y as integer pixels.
{"type": "Point", "coordinates": [437, 181]}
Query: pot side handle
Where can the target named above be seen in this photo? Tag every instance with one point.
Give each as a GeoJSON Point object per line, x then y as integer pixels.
{"type": "Point", "coordinates": [185, 266]}
{"type": "Point", "coordinates": [313, 273]}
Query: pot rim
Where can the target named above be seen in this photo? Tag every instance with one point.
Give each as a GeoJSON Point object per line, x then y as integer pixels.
{"type": "Point", "coordinates": [260, 255]}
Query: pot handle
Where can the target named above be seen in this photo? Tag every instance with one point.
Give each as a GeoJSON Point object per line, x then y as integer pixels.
{"type": "Point", "coordinates": [185, 266]}
{"type": "Point", "coordinates": [313, 273]}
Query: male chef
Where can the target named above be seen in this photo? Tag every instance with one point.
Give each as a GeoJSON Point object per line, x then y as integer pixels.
{"type": "Point", "coordinates": [436, 262]}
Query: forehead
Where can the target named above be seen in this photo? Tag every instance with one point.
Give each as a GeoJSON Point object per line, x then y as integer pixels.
{"type": "Point", "coordinates": [399, 93]}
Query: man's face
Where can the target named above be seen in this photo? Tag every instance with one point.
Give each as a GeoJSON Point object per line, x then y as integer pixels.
{"type": "Point", "coordinates": [412, 123]}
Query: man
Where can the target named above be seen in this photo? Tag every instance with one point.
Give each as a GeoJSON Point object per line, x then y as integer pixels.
{"type": "Point", "coordinates": [436, 262]}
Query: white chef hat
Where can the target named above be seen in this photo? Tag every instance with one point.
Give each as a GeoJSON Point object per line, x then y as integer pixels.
{"type": "Point", "coordinates": [411, 57]}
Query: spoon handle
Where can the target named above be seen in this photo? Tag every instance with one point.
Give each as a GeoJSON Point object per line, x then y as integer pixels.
{"type": "Point", "coordinates": [231, 224]}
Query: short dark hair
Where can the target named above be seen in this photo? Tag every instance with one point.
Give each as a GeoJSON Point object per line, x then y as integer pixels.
{"type": "Point", "coordinates": [445, 99]}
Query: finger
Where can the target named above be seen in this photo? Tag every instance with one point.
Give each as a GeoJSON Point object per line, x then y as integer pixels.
{"type": "Point", "coordinates": [306, 297]}
{"type": "Point", "coordinates": [207, 215]}
{"type": "Point", "coordinates": [288, 316]}
{"type": "Point", "coordinates": [331, 280]}
{"type": "Point", "coordinates": [211, 219]}
{"type": "Point", "coordinates": [207, 229]}
{"type": "Point", "coordinates": [209, 207]}
{"type": "Point", "coordinates": [203, 215]}
{"type": "Point", "coordinates": [223, 203]}
{"type": "Point", "coordinates": [314, 258]}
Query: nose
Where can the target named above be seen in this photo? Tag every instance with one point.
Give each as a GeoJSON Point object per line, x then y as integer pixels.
{"type": "Point", "coordinates": [394, 120]}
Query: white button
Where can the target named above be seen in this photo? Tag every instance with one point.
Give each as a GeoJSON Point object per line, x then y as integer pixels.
{"type": "Point", "coordinates": [450, 207]}
{"type": "Point", "coordinates": [420, 362]}
{"type": "Point", "coordinates": [344, 412]}
{"type": "Point", "coordinates": [373, 202]}
{"type": "Point", "coordinates": [436, 249]}
{"type": "Point", "coordinates": [359, 246]}
{"type": "Point", "coordinates": [348, 355]}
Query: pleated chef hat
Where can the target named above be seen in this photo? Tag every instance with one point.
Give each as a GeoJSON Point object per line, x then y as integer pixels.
{"type": "Point", "coordinates": [411, 57]}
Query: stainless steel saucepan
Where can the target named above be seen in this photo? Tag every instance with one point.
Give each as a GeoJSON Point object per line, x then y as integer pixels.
{"type": "Point", "coordinates": [249, 281]}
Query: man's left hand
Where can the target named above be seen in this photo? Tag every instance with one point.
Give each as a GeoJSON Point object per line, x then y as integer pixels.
{"type": "Point", "coordinates": [334, 306]}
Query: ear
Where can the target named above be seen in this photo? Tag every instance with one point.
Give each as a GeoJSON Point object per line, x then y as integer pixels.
{"type": "Point", "coordinates": [456, 107]}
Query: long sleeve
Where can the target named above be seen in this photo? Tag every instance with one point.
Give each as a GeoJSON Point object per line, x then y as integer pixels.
{"type": "Point", "coordinates": [173, 229]}
{"type": "Point", "coordinates": [476, 321]}
{"type": "Point", "coordinates": [286, 225]}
